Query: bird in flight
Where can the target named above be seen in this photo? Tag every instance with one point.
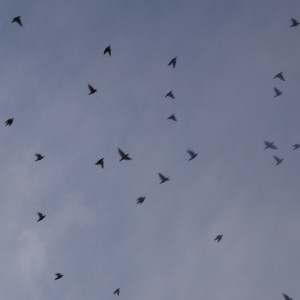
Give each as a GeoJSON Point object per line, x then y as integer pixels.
{"type": "Point", "coordinates": [270, 145]}
{"type": "Point", "coordinates": [218, 237]}
{"type": "Point", "coordinates": [192, 154]}
{"type": "Point", "coordinates": [41, 216]}
{"type": "Point", "coordinates": [173, 62]}
{"type": "Point", "coordinates": [100, 162]}
{"type": "Point", "coordinates": [278, 160]}
{"type": "Point", "coordinates": [107, 50]}
{"type": "Point", "coordinates": [286, 297]}
{"type": "Point", "coordinates": [277, 92]}
{"type": "Point", "coordinates": [123, 155]}
{"type": "Point", "coordinates": [140, 200]}
{"type": "Point", "coordinates": [9, 122]}
{"type": "Point", "coordinates": [58, 276]}
{"type": "Point", "coordinates": [170, 94]}
{"type": "Point", "coordinates": [163, 178]}
{"type": "Point", "coordinates": [39, 157]}
{"type": "Point", "coordinates": [172, 117]}
{"type": "Point", "coordinates": [18, 20]}
{"type": "Point", "coordinates": [294, 22]}
{"type": "Point", "coordinates": [296, 146]}
{"type": "Point", "coordinates": [279, 76]}
{"type": "Point", "coordinates": [92, 90]}
{"type": "Point", "coordinates": [117, 292]}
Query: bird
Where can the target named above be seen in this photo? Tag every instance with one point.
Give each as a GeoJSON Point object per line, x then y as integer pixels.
{"type": "Point", "coordinates": [117, 292]}
{"type": "Point", "coordinates": [278, 160]}
{"type": "Point", "coordinates": [100, 162]}
{"type": "Point", "coordinates": [39, 157]}
{"type": "Point", "coordinates": [18, 20]}
{"type": "Point", "coordinates": [107, 50]}
{"type": "Point", "coordinates": [41, 216]}
{"type": "Point", "coordinates": [92, 90]}
{"type": "Point", "coordinates": [58, 276]}
{"type": "Point", "coordinates": [296, 146]}
{"type": "Point", "coordinates": [9, 122]}
{"type": "Point", "coordinates": [218, 237]}
{"type": "Point", "coordinates": [123, 155]}
{"type": "Point", "coordinates": [280, 76]}
{"type": "Point", "coordinates": [170, 94]}
{"type": "Point", "coordinates": [270, 145]}
{"type": "Point", "coordinates": [277, 92]}
{"type": "Point", "coordinates": [192, 154]}
{"type": "Point", "coordinates": [140, 200]}
{"type": "Point", "coordinates": [294, 22]}
{"type": "Point", "coordinates": [172, 117]}
{"type": "Point", "coordinates": [173, 62]}
{"type": "Point", "coordinates": [163, 178]}
{"type": "Point", "coordinates": [286, 297]}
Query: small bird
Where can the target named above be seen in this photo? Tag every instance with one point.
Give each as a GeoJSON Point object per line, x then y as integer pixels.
{"type": "Point", "coordinates": [294, 22]}
{"type": "Point", "coordinates": [163, 178]}
{"type": "Point", "coordinates": [92, 90]}
{"type": "Point", "coordinates": [218, 237]}
{"type": "Point", "coordinates": [9, 122]}
{"type": "Point", "coordinates": [140, 200]}
{"type": "Point", "coordinates": [278, 160]}
{"type": "Point", "coordinates": [296, 146]}
{"type": "Point", "coordinates": [123, 155]}
{"type": "Point", "coordinates": [280, 76]}
{"type": "Point", "coordinates": [39, 157]}
{"type": "Point", "coordinates": [172, 117]}
{"type": "Point", "coordinates": [18, 20]}
{"type": "Point", "coordinates": [270, 145]}
{"type": "Point", "coordinates": [277, 92]}
{"type": "Point", "coordinates": [58, 276]}
{"type": "Point", "coordinates": [117, 292]}
{"type": "Point", "coordinates": [107, 50]}
{"type": "Point", "coordinates": [286, 297]}
{"type": "Point", "coordinates": [100, 162]}
{"type": "Point", "coordinates": [41, 216]}
{"type": "Point", "coordinates": [192, 154]}
{"type": "Point", "coordinates": [170, 94]}
{"type": "Point", "coordinates": [173, 62]}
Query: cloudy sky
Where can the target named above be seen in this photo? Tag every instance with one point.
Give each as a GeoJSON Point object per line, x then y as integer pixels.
{"type": "Point", "coordinates": [94, 233]}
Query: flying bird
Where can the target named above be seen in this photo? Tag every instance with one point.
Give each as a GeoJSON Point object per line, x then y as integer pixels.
{"type": "Point", "coordinates": [9, 122]}
{"type": "Point", "coordinates": [218, 237]}
{"type": "Point", "coordinates": [172, 117]}
{"type": "Point", "coordinates": [58, 276]}
{"type": "Point", "coordinates": [100, 162]}
{"type": "Point", "coordinates": [278, 160]}
{"type": "Point", "coordinates": [92, 90]}
{"type": "Point", "coordinates": [270, 145]}
{"type": "Point", "coordinates": [277, 92]}
{"type": "Point", "coordinates": [117, 292]}
{"type": "Point", "coordinates": [18, 20]}
{"type": "Point", "coordinates": [41, 216]}
{"type": "Point", "coordinates": [123, 155]}
{"type": "Point", "coordinates": [170, 94]}
{"type": "Point", "coordinates": [279, 76]}
{"type": "Point", "coordinates": [296, 146]}
{"type": "Point", "coordinates": [192, 154]}
{"type": "Point", "coordinates": [294, 22]}
{"type": "Point", "coordinates": [173, 62]}
{"type": "Point", "coordinates": [286, 297]}
{"type": "Point", "coordinates": [39, 157]}
{"type": "Point", "coordinates": [107, 50]}
{"type": "Point", "coordinates": [163, 178]}
{"type": "Point", "coordinates": [140, 200]}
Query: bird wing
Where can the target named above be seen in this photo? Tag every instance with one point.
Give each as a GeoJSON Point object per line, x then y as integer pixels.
{"type": "Point", "coordinates": [38, 155]}
{"type": "Point", "coordinates": [276, 90]}
{"type": "Point", "coordinates": [278, 160]}
{"type": "Point", "coordinates": [121, 152]}
{"type": "Point", "coordinates": [161, 176]}
{"type": "Point", "coordinates": [19, 22]}
{"type": "Point", "coordinates": [191, 153]}
{"type": "Point", "coordinates": [295, 22]}
{"type": "Point", "coordinates": [286, 296]}
{"type": "Point", "coordinates": [40, 214]}
{"type": "Point", "coordinates": [91, 88]}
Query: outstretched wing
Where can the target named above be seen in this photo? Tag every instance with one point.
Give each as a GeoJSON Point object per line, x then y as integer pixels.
{"type": "Point", "coordinates": [91, 88]}
{"type": "Point", "coordinates": [121, 152]}
{"type": "Point", "coordinates": [191, 153]}
{"type": "Point", "coordinates": [161, 176]}
{"type": "Point", "coordinates": [278, 160]}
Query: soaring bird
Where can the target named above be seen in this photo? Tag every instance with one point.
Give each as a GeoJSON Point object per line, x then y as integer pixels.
{"type": "Point", "coordinates": [140, 200]}
{"type": "Point", "coordinates": [100, 162]}
{"type": "Point", "coordinates": [278, 160]}
{"type": "Point", "coordinates": [294, 22]}
{"type": "Point", "coordinates": [9, 122]}
{"type": "Point", "coordinates": [92, 90]}
{"type": "Point", "coordinates": [173, 62]}
{"type": "Point", "coordinates": [58, 276]}
{"type": "Point", "coordinates": [163, 178]}
{"type": "Point", "coordinates": [270, 145]}
{"type": "Point", "coordinates": [172, 117]}
{"type": "Point", "coordinates": [279, 76]}
{"type": "Point", "coordinates": [192, 154]}
{"type": "Point", "coordinates": [124, 155]}
{"type": "Point", "coordinates": [170, 94]}
{"type": "Point", "coordinates": [41, 216]}
{"type": "Point", "coordinates": [18, 20]}
{"type": "Point", "coordinates": [218, 237]}
{"type": "Point", "coordinates": [277, 92]}
{"type": "Point", "coordinates": [286, 297]}
{"type": "Point", "coordinates": [296, 146]}
{"type": "Point", "coordinates": [107, 50]}
{"type": "Point", "coordinates": [39, 157]}
{"type": "Point", "coordinates": [117, 292]}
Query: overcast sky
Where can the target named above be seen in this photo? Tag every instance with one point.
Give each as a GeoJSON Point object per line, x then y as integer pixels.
{"type": "Point", "coordinates": [94, 232]}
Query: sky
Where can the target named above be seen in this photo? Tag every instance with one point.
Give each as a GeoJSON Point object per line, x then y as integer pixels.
{"type": "Point", "coordinates": [94, 232]}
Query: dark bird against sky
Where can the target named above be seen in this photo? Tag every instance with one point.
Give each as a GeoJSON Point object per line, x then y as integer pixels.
{"type": "Point", "coordinates": [140, 200]}
{"type": "Point", "coordinates": [296, 146]}
{"type": "Point", "coordinates": [107, 50]}
{"type": "Point", "coordinates": [192, 154]}
{"type": "Point", "coordinates": [172, 117]}
{"type": "Point", "coordinates": [41, 216]}
{"type": "Point", "coordinates": [170, 94]}
{"type": "Point", "coordinates": [294, 22]}
{"type": "Point", "coordinates": [270, 145]}
{"type": "Point", "coordinates": [173, 62]}
{"type": "Point", "coordinates": [123, 155]}
{"type": "Point", "coordinates": [218, 238]}
{"type": "Point", "coordinates": [18, 20]}
{"type": "Point", "coordinates": [279, 76]}
{"type": "Point", "coordinates": [286, 297]}
{"type": "Point", "coordinates": [278, 160]}
{"type": "Point", "coordinates": [100, 162]}
{"type": "Point", "coordinates": [58, 276]}
{"type": "Point", "coordinates": [92, 90]}
{"type": "Point", "coordinates": [117, 292]}
{"type": "Point", "coordinates": [277, 92]}
{"type": "Point", "coordinates": [163, 178]}
{"type": "Point", "coordinates": [39, 156]}
{"type": "Point", "coordinates": [9, 122]}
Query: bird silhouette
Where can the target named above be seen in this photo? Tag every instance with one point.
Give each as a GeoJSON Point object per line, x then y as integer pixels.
{"type": "Point", "coordinates": [296, 146]}
{"type": "Point", "coordinates": [173, 62]}
{"type": "Point", "coordinates": [170, 94]}
{"type": "Point", "coordinates": [163, 178]}
{"type": "Point", "coordinates": [92, 90]}
{"type": "Point", "coordinates": [279, 76]}
{"type": "Point", "coordinates": [58, 276]}
{"type": "Point", "coordinates": [9, 122]}
{"type": "Point", "coordinates": [192, 154]}
{"type": "Point", "coordinates": [270, 145]}
{"type": "Point", "coordinates": [117, 292]}
{"type": "Point", "coordinates": [123, 155]}
{"type": "Point", "coordinates": [172, 117]}
{"type": "Point", "coordinates": [39, 157]}
{"type": "Point", "coordinates": [286, 297]}
{"type": "Point", "coordinates": [18, 20]}
{"type": "Point", "coordinates": [294, 22]}
{"type": "Point", "coordinates": [41, 216]}
{"type": "Point", "coordinates": [107, 50]}
{"type": "Point", "coordinates": [219, 237]}
{"type": "Point", "coordinates": [277, 92]}
{"type": "Point", "coordinates": [100, 162]}
{"type": "Point", "coordinates": [140, 200]}
{"type": "Point", "coordinates": [278, 160]}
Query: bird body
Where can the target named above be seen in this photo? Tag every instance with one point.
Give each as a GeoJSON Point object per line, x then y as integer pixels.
{"type": "Point", "coordinates": [9, 122]}
{"type": "Point", "coordinates": [107, 50]}
{"type": "Point", "coordinates": [192, 154]}
{"type": "Point", "coordinates": [163, 178]}
{"type": "Point", "coordinates": [294, 22]}
{"type": "Point", "coordinates": [18, 20]}
{"type": "Point", "coordinates": [270, 145]}
{"type": "Point", "coordinates": [218, 238]}
{"type": "Point", "coordinates": [140, 200]}
{"type": "Point", "coordinates": [279, 76]}
{"type": "Point", "coordinates": [117, 292]}
{"type": "Point", "coordinates": [41, 216]}
{"type": "Point", "coordinates": [277, 92]}
{"type": "Point", "coordinates": [58, 276]}
{"type": "Point", "coordinates": [278, 160]}
{"type": "Point", "coordinates": [172, 117]}
{"type": "Point", "coordinates": [286, 297]}
{"type": "Point", "coordinates": [170, 94]}
{"type": "Point", "coordinates": [100, 162]}
{"type": "Point", "coordinates": [92, 90]}
{"type": "Point", "coordinates": [39, 157]}
{"type": "Point", "coordinates": [123, 155]}
{"type": "Point", "coordinates": [296, 146]}
{"type": "Point", "coordinates": [173, 62]}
